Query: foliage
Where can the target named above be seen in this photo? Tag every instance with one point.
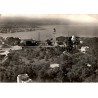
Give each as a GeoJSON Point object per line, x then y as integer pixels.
{"type": "Point", "coordinates": [12, 41]}
{"type": "Point", "coordinates": [72, 65]}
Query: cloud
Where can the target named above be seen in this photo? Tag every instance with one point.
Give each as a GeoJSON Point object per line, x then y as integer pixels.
{"type": "Point", "coordinates": [67, 19]}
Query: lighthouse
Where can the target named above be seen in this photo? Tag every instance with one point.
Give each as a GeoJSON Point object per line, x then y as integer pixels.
{"type": "Point", "coordinates": [54, 34]}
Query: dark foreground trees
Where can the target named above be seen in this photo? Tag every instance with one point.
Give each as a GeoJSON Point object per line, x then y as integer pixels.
{"type": "Point", "coordinates": [12, 41]}
{"type": "Point", "coordinates": [73, 66]}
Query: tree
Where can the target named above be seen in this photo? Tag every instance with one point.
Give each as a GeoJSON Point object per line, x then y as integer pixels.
{"type": "Point", "coordinates": [84, 65]}
{"type": "Point", "coordinates": [13, 41]}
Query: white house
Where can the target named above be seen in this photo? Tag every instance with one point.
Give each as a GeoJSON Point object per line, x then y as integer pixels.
{"type": "Point", "coordinates": [89, 65]}
{"type": "Point", "coordinates": [84, 49]}
{"type": "Point", "coordinates": [54, 65]}
{"type": "Point", "coordinates": [81, 42]}
{"type": "Point", "coordinates": [16, 47]}
{"type": "Point", "coordinates": [23, 78]}
{"type": "Point", "coordinates": [73, 38]}
{"type": "Point", "coordinates": [4, 53]}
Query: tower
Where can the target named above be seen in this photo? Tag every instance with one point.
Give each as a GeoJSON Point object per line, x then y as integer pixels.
{"type": "Point", "coordinates": [54, 34]}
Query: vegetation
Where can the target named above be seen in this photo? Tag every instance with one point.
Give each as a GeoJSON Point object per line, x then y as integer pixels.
{"type": "Point", "coordinates": [36, 63]}
{"type": "Point", "coordinates": [12, 41]}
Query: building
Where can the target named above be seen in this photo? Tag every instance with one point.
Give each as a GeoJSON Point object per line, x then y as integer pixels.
{"type": "Point", "coordinates": [54, 65]}
{"type": "Point", "coordinates": [16, 47]}
{"type": "Point", "coordinates": [84, 49]}
{"type": "Point", "coordinates": [4, 53]}
{"type": "Point", "coordinates": [29, 42]}
{"type": "Point", "coordinates": [23, 78]}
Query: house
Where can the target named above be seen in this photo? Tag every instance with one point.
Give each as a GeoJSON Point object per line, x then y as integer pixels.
{"type": "Point", "coordinates": [54, 65]}
{"type": "Point", "coordinates": [23, 78]}
{"type": "Point", "coordinates": [81, 42]}
{"type": "Point", "coordinates": [43, 43]}
{"type": "Point", "coordinates": [16, 47]}
{"type": "Point", "coordinates": [84, 49]}
{"type": "Point", "coordinates": [4, 53]}
{"type": "Point", "coordinates": [29, 42]}
{"type": "Point", "coordinates": [2, 41]}
{"type": "Point", "coordinates": [73, 38]}
{"type": "Point", "coordinates": [89, 65]}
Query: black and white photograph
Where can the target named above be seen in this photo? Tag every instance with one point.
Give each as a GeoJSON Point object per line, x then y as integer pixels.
{"type": "Point", "coordinates": [48, 48]}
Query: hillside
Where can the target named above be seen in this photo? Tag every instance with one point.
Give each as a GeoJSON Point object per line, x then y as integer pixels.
{"type": "Point", "coordinates": [35, 61]}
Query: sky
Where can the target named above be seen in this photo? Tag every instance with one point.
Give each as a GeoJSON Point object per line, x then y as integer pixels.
{"type": "Point", "coordinates": [74, 18]}
{"type": "Point", "coordinates": [26, 8]}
